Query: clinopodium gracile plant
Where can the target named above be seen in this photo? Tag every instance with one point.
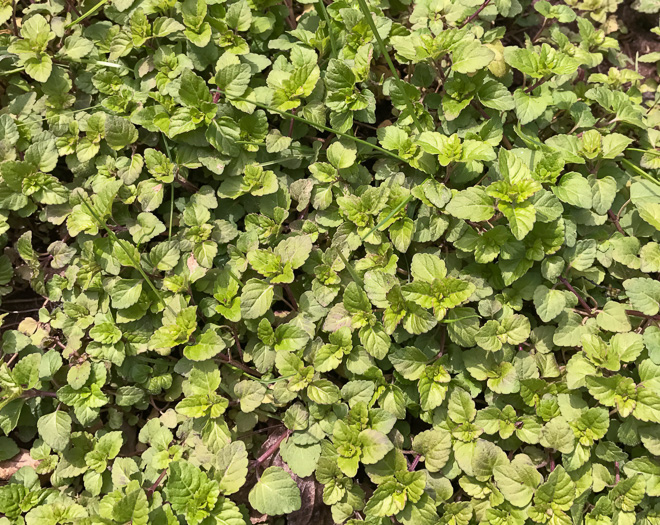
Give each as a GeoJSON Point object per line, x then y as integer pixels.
{"type": "Point", "coordinates": [316, 262]}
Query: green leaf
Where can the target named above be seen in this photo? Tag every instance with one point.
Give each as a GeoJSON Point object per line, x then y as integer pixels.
{"type": "Point", "coordinates": [119, 132]}
{"type": "Point", "coordinates": [126, 292]}
{"type": "Point", "coordinates": [207, 346]}
{"type": "Point", "coordinates": [275, 493]}
{"type": "Point", "coordinates": [644, 294]}
{"type": "Point", "coordinates": [521, 217]}
{"type": "Point", "coordinates": [233, 79]}
{"type": "Point", "coordinates": [435, 446]}
{"type": "Point", "coordinates": [473, 204]}
{"type": "Point", "coordinates": [558, 435]}
{"type": "Point", "coordinates": [55, 429]}
{"type": "Point", "coordinates": [469, 56]}
{"type": "Point", "coordinates": [574, 189]}
{"type": "Point", "coordinates": [189, 490]}
{"type": "Point", "coordinates": [8, 449]}
{"type": "Point", "coordinates": [256, 298]}
{"type": "Point", "coordinates": [518, 480]}
{"type": "Point", "coordinates": [374, 446]}
{"type": "Point", "coordinates": [231, 464]}
{"type": "Point", "coordinates": [549, 303]}
{"type": "Point", "coordinates": [558, 490]}
{"type": "Point", "coordinates": [341, 155]}
{"type": "Point", "coordinates": [528, 106]}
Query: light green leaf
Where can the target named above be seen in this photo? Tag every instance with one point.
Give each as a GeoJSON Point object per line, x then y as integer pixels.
{"type": "Point", "coordinates": [275, 493]}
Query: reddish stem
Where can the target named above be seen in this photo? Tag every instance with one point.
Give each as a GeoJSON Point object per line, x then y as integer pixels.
{"type": "Point", "coordinates": [38, 393]}
{"type": "Point", "coordinates": [271, 450]}
{"type": "Point", "coordinates": [535, 85]}
{"type": "Point", "coordinates": [617, 475]}
{"type": "Point", "coordinates": [290, 295]}
{"type": "Point", "coordinates": [242, 366]}
{"type": "Point", "coordinates": [615, 220]}
{"type": "Point", "coordinates": [474, 15]}
{"type": "Point", "coordinates": [637, 313]}
{"type": "Point", "coordinates": [158, 481]}
{"type": "Point", "coordinates": [413, 465]}
{"type": "Point", "coordinates": [293, 112]}
{"type": "Point", "coordinates": [237, 342]}
{"type": "Point", "coordinates": [568, 285]}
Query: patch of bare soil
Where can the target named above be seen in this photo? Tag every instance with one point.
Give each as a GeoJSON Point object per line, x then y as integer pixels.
{"type": "Point", "coordinates": [639, 39]}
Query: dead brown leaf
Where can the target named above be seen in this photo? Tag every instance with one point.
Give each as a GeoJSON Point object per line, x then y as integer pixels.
{"type": "Point", "coordinates": [312, 510]}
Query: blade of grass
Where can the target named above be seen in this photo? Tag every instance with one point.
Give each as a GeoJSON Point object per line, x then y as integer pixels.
{"type": "Point", "coordinates": [169, 156]}
{"type": "Point", "coordinates": [263, 145]}
{"type": "Point", "coordinates": [135, 263]}
{"type": "Point", "coordinates": [87, 14]}
{"type": "Point", "coordinates": [351, 270]}
{"type": "Point", "coordinates": [391, 214]}
{"type": "Point", "coordinates": [639, 171]}
{"type": "Point", "coordinates": [390, 64]}
{"type": "Point", "coordinates": [12, 71]}
{"type": "Point", "coordinates": [650, 151]}
{"type": "Point", "coordinates": [279, 161]}
{"type": "Point", "coordinates": [333, 42]}
{"type": "Point", "coordinates": [525, 138]}
{"type": "Point", "coordinates": [318, 126]}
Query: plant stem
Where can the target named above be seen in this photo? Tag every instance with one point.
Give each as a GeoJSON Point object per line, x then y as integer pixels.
{"type": "Point", "coordinates": [158, 481]}
{"type": "Point", "coordinates": [290, 295]}
{"type": "Point", "coordinates": [271, 450]}
{"type": "Point", "coordinates": [536, 84]}
{"type": "Point", "coordinates": [291, 123]}
{"type": "Point", "coordinates": [13, 17]}
{"type": "Point", "coordinates": [637, 313]}
{"type": "Point", "coordinates": [474, 15]}
{"type": "Point", "coordinates": [582, 302]}
{"type": "Point", "coordinates": [324, 13]}
{"type": "Point", "coordinates": [351, 270]}
{"type": "Point", "coordinates": [326, 18]}
{"type": "Point", "coordinates": [536, 37]}
{"type": "Point", "coordinates": [234, 333]}
{"type": "Point", "coordinates": [169, 231]}
{"type": "Point", "coordinates": [12, 71]}
{"type": "Point", "coordinates": [167, 149]}
{"type": "Point", "coordinates": [291, 18]}
{"type": "Point", "coordinates": [616, 473]}
{"type": "Point", "coordinates": [413, 465]}
{"type": "Point", "coordinates": [242, 367]}
{"type": "Point", "coordinates": [38, 393]}
{"type": "Point", "coordinates": [615, 220]}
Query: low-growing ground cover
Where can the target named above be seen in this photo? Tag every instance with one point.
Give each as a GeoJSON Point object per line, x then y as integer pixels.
{"type": "Point", "coordinates": [329, 262]}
